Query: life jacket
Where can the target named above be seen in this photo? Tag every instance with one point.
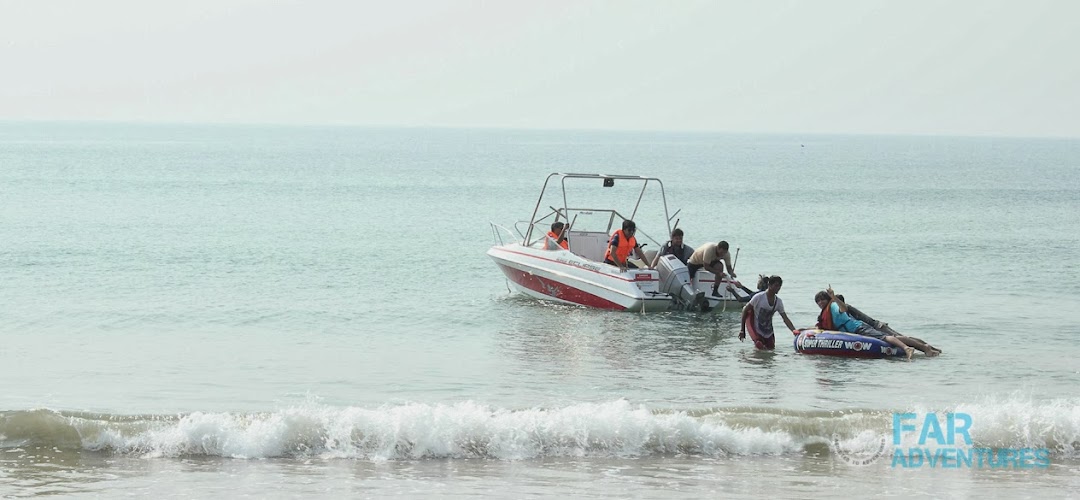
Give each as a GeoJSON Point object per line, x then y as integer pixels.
{"type": "Point", "coordinates": [564, 243]}
{"type": "Point", "coordinates": [622, 251]}
{"type": "Point", "coordinates": [680, 253]}
{"type": "Point", "coordinates": [824, 320]}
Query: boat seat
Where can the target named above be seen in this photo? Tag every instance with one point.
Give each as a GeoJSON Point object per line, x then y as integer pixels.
{"type": "Point", "coordinates": [650, 254]}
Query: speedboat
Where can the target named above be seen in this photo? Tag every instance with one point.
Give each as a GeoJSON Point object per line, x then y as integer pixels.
{"type": "Point", "coordinates": [535, 265]}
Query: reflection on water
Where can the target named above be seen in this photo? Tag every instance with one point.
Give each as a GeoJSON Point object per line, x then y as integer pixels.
{"type": "Point", "coordinates": [551, 333]}
{"type": "Point", "coordinates": [50, 471]}
{"type": "Point", "coordinates": [540, 330]}
{"type": "Point", "coordinates": [759, 357]}
{"type": "Point", "coordinates": [832, 373]}
{"type": "Point", "coordinates": [608, 354]}
{"type": "Point", "coordinates": [571, 353]}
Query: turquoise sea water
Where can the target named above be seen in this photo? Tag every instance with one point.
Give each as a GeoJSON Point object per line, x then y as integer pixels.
{"type": "Point", "coordinates": [309, 311]}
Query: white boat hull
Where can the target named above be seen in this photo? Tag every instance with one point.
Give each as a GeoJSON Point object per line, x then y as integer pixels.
{"type": "Point", "coordinates": [563, 277]}
{"type": "Point", "coordinates": [731, 295]}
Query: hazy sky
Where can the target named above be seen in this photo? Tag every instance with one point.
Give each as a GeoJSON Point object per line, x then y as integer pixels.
{"type": "Point", "coordinates": [922, 67]}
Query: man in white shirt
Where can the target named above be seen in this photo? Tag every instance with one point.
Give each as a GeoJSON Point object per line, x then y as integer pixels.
{"type": "Point", "coordinates": [762, 307]}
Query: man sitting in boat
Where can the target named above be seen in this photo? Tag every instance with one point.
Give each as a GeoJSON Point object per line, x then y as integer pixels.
{"type": "Point", "coordinates": [762, 307]}
{"type": "Point", "coordinates": [621, 244]}
{"type": "Point", "coordinates": [708, 257]}
{"type": "Point", "coordinates": [834, 317]}
{"type": "Point", "coordinates": [674, 247]}
{"type": "Point", "coordinates": [919, 344]}
{"type": "Point", "coordinates": [558, 236]}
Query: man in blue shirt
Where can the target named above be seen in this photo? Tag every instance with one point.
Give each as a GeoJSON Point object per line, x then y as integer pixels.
{"type": "Point", "coordinates": [845, 323]}
{"type": "Point", "coordinates": [919, 344]}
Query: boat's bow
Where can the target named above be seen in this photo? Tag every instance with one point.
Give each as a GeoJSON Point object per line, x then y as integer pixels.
{"type": "Point", "coordinates": [562, 276]}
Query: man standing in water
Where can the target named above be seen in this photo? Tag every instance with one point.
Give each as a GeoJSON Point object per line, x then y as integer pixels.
{"type": "Point", "coordinates": [762, 307]}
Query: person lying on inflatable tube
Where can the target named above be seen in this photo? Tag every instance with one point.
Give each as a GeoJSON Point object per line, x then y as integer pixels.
{"type": "Point", "coordinates": [758, 314]}
{"type": "Point", "coordinates": [919, 344]}
{"type": "Point", "coordinates": [834, 317]}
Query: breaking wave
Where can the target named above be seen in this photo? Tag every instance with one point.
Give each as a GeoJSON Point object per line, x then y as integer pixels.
{"type": "Point", "coordinates": [471, 430]}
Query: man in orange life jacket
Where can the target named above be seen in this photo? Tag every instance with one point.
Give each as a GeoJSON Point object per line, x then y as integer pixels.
{"type": "Point", "coordinates": [557, 235]}
{"type": "Point", "coordinates": [621, 244]}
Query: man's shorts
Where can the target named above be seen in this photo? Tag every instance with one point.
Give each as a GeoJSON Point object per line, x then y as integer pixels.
{"type": "Point", "coordinates": [870, 331]}
{"type": "Point", "coordinates": [762, 342]}
{"type": "Point", "coordinates": [693, 268]}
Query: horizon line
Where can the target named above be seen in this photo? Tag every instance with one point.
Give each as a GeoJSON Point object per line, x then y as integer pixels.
{"type": "Point", "coordinates": [8, 121]}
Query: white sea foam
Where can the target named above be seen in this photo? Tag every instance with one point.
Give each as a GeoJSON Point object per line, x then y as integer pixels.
{"type": "Point", "coordinates": [463, 430]}
{"type": "Point", "coordinates": [471, 430]}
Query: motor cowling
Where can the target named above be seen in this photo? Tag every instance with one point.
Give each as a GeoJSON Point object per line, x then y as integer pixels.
{"type": "Point", "coordinates": [675, 280]}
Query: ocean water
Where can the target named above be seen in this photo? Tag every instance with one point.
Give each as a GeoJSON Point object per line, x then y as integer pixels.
{"type": "Point", "coordinates": [194, 311]}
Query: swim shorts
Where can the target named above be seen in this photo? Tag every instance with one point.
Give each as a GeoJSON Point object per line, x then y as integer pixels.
{"type": "Point", "coordinates": [762, 342]}
{"type": "Point", "coordinates": [870, 331]}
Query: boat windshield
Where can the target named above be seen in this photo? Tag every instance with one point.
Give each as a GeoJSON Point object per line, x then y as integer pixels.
{"type": "Point", "coordinates": [597, 203]}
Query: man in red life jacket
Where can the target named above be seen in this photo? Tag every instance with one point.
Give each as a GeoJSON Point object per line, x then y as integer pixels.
{"type": "Point", "coordinates": [621, 244]}
{"type": "Point", "coordinates": [824, 319]}
{"type": "Point", "coordinates": [558, 235]}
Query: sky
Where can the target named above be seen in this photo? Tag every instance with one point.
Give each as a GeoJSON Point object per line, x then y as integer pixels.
{"type": "Point", "coordinates": [1003, 68]}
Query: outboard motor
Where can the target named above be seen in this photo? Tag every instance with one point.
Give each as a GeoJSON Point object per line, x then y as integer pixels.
{"type": "Point", "coordinates": [675, 280]}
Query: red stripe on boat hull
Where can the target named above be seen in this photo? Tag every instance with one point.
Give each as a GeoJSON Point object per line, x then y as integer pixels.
{"type": "Point", "coordinates": [557, 290]}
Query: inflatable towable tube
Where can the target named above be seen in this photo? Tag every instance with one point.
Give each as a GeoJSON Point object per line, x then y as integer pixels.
{"type": "Point", "coordinates": [833, 343]}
